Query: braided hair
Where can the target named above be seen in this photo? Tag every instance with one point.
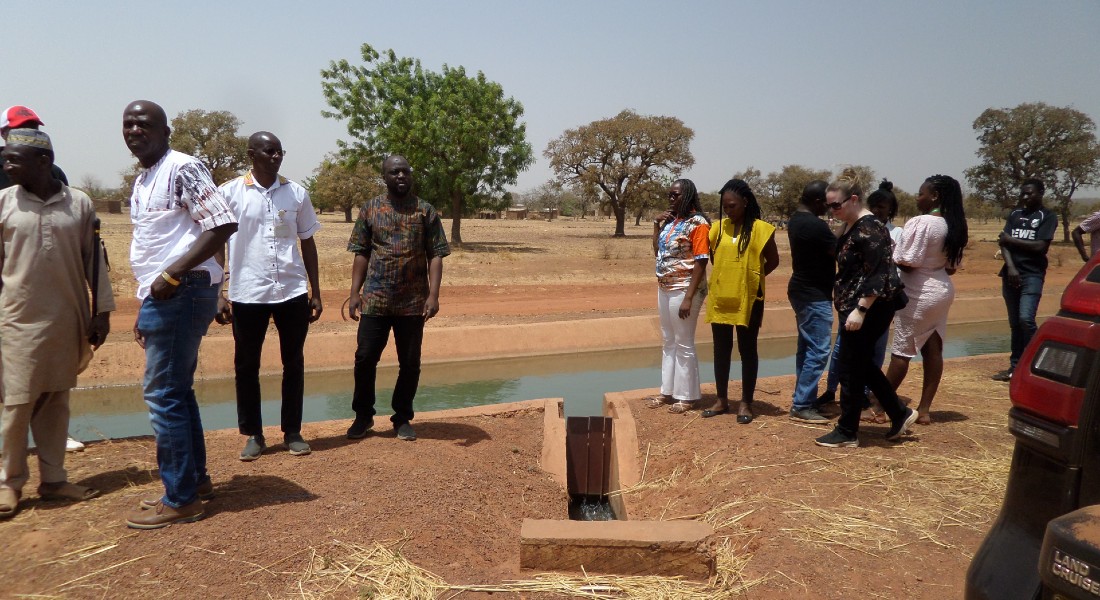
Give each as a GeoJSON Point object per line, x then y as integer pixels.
{"type": "Point", "coordinates": [884, 195]}
{"type": "Point", "coordinates": [689, 203]}
{"type": "Point", "coordinates": [752, 210]}
{"type": "Point", "coordinates": [951, 209]}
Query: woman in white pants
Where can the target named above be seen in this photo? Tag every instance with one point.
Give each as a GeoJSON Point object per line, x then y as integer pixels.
{"type": "Point", "coordinates": [680, 244]}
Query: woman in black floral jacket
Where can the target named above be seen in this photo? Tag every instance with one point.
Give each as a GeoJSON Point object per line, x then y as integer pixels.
{"type": "Point", "coordinates": [866, 294]}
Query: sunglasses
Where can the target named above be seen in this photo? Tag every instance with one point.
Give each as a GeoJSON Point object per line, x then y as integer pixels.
{"type": "Point", "coordinates": [836, 205]}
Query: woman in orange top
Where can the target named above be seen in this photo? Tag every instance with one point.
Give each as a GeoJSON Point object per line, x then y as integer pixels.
{"type": "Point", "coordinates": [680, 245]}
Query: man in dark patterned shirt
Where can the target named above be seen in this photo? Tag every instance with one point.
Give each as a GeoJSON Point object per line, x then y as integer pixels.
{"type": "Point", "coordinates": [399, 245]}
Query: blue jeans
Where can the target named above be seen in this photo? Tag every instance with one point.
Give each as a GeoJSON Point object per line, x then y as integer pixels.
{"type": "Point", "coordinates": [173, 329]}
{"type": "Point", "coordinates": [1023, 304]}
{"type": "Point", "coordinates": [815, 328]}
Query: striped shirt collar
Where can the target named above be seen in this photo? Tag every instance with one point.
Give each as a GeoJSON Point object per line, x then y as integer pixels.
{"type": "Point", "coordinates": [250, 180]}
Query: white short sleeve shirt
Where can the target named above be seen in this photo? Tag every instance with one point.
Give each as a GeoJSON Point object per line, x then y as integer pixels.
{"type": "Point", "coordinates": [265, 264]}
{"type": "Point", "coordinates": [172, 203]}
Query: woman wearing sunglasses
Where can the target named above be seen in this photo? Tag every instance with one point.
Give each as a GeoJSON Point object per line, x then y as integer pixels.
{"type": "Point", "coordinates": [680, 245]}
{"type": "Point", "coordinates": [866, 295]}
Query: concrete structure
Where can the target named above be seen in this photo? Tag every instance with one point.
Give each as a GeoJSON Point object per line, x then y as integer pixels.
{"type": "Point", "coordinates": [671, 548]}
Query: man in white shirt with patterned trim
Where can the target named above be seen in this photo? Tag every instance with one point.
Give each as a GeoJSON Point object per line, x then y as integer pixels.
{"type": "Point", "coordinates": [269, 283]}
{"type": "Point", "coordinates": [180, 222]}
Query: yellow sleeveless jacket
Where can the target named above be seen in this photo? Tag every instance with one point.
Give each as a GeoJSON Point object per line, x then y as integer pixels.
{"type": "Point", "coordinates": [736, 279]}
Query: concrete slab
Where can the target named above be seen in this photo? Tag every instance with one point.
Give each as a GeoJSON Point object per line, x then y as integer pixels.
{"type": "Point", "coordinates": [552, 460]}
{"type": "Point", "coordinates": [668, 548]}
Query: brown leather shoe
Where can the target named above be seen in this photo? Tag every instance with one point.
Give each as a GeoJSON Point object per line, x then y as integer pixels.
{"type": "Point", "coordinates": [205, 491]}
{"type": "Point", "coordinates": [163, 515]}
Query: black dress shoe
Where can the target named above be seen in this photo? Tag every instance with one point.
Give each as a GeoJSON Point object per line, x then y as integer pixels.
{"type": "Point", "coordinates": [360, 427]}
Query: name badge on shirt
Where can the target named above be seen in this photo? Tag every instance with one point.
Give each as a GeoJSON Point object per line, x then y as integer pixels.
{"type": "Point", "coordinates": [282, 230]}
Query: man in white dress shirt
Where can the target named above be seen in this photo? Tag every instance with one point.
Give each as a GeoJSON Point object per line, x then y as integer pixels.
{"type": "Point", "coordinates": [268, 282]}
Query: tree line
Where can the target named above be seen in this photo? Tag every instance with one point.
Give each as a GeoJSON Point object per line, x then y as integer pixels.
{"type": "Point", "coordinates": [467, 142]}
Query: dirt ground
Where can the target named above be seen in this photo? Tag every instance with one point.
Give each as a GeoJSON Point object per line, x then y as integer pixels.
{"type": "Point", "coordinates": [885, 520]}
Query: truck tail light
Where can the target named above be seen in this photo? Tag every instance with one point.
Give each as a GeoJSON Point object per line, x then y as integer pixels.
{"type": "Point", "coordinates": [1035, 433]}
{"type": "Point", "coordinates": [1058, 362]}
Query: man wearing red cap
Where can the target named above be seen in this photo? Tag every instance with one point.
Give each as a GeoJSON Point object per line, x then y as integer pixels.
{"type": "Point", "coordinates": [21, 117]}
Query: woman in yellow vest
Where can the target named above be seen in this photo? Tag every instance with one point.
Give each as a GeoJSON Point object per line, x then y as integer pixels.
{"type": "Point", "coordinates": [743, 252]}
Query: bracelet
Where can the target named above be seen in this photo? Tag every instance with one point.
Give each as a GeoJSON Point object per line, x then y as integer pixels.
{"type": "Point", "coordinates": [171, 280]}
{"type": "Point", "coordinates": [862, 309]}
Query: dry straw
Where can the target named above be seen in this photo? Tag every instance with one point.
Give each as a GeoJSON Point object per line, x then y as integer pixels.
{"type": "Point", "coordinates": [379, 571]}
{"type": "Point", "coordinates": [917, 497]}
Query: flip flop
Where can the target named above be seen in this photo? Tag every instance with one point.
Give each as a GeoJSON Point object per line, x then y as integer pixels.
{"type": "Point", "coordinates": [714, 412]}
{"type": "Point", "coordinates": [656, 402]}
{"type": "Point", "coordinates": [870, 416]}
{"type": "Point", "coordinates": [9, 502]}
{"type": "Point", "coordinates": [65, 490]}
{"type": "Point", "coordinates": [679, 408]}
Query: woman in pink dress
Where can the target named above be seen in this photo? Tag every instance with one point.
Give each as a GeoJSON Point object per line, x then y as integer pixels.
{"type": "Point", "coordinates": [930, 249]}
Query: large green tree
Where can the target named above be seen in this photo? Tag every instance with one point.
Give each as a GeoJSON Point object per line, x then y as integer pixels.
{"type": "Point", "coordinates": [343, 185]}
{"type": "Point", "coordinates": [461, 134]}
{"type": "Point", "coordinates": [1056, 145]}
{"type": "Point", "coordinates": [212, 138]}
{"type": "Point", "coordinates": [628, 157]}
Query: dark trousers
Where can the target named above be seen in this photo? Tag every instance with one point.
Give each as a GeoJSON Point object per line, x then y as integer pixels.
{"type": "Point", "coordinates": [374, 334]}
{"type": "Point", "coordinates": [746, 347]}
{"type": "Point", "coordinates": [250, 323]}
{"type": "Point", "coordinates": [858, 369]}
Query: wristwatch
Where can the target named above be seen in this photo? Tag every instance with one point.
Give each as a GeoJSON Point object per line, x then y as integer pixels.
{"type": "Point", "coordinates": [862, 309]}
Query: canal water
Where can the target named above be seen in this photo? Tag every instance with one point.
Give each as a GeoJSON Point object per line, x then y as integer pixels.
{"type": "Point", "coordinates": [582, 379]}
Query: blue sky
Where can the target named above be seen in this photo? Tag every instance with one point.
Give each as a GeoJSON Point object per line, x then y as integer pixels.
{"type": "Point", "coordinates": [894, 85]}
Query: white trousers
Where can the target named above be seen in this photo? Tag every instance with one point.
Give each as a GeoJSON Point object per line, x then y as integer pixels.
{"type": "Point", "coordinates": [48, 418]}
{"type": "Point", "coordinates": [679, 365]}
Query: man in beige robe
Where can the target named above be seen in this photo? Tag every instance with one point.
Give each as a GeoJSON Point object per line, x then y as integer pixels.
{"type": "Point", "coordinates": [47, 332]}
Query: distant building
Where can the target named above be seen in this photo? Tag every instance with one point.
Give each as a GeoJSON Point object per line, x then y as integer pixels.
{"type": "Point", "coordinates": [516, 212]}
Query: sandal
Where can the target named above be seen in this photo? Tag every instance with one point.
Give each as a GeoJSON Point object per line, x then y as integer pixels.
{"type": "Point", "coordinates": [9, 502]}
{"type": "Point", "coordinates": [744, 413]}
{"type": "Point", "coordinates": [63, 490]}
{"type": "Point", "coordinates": [657, 401]}
{"type": "Point", "coordinates": [679, 408]}
{"type": "Point", "coordinates": [723, 409]}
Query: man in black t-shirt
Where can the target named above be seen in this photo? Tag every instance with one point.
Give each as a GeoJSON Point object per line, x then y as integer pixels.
{"type": "Point", "coordinates": [810, 292]}
{"type": "Point", "coordinates": [1024, 243]}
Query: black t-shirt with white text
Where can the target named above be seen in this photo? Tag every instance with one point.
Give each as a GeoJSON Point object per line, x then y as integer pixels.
{"type": "Point", "coordinates": [1039, 224]}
